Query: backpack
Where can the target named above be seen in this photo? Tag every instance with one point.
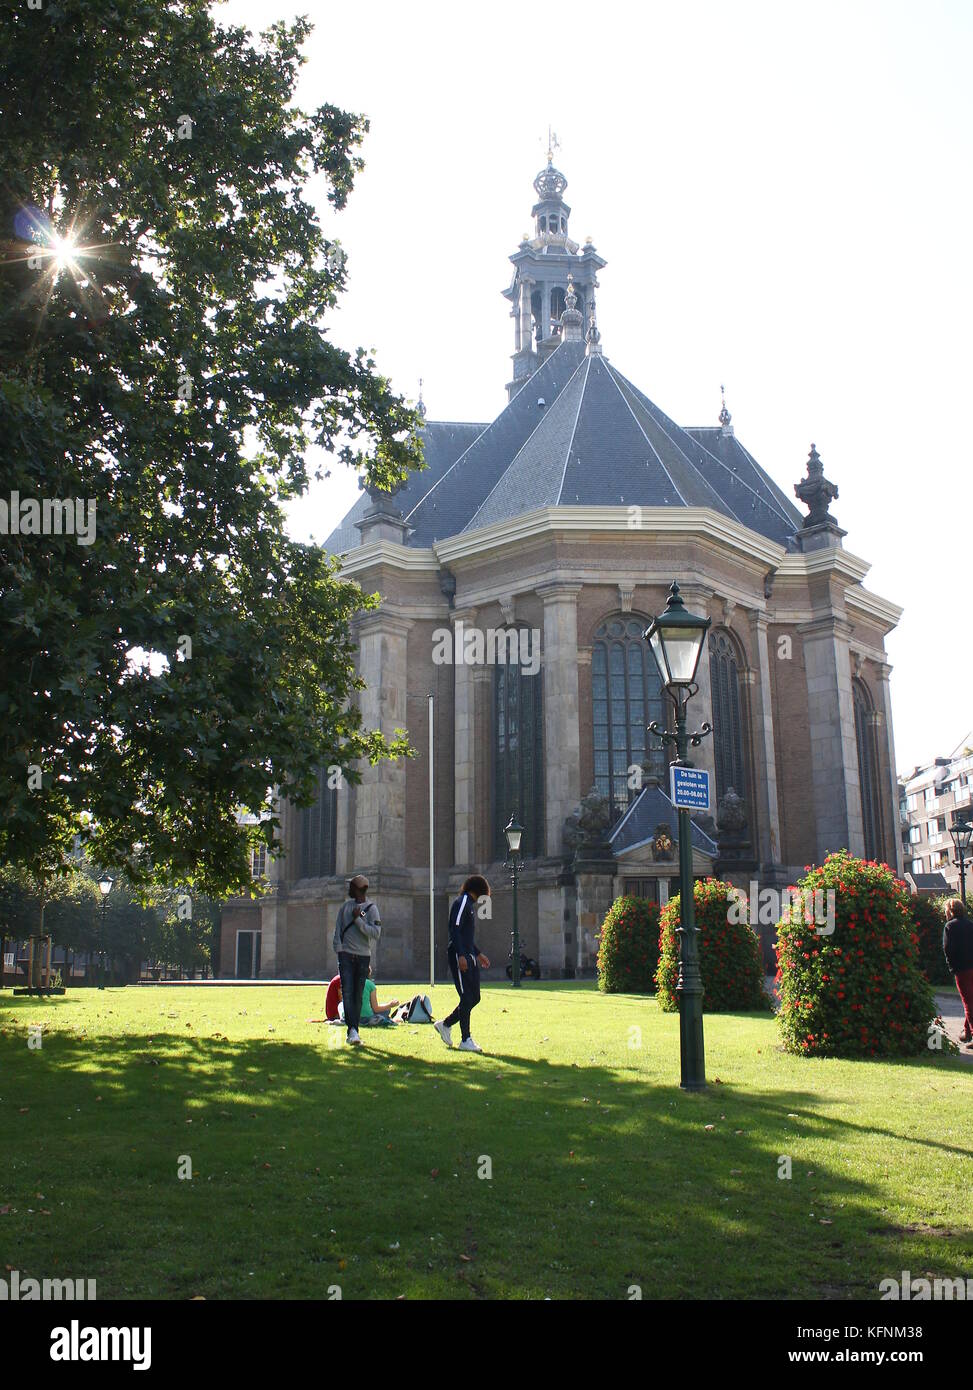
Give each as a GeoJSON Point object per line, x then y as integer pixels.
{"type": "Point", "coordinates": [418, 1010]}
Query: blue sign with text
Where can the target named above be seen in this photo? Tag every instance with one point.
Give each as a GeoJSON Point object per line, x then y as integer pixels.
{"type": "Point", "coordinates": [690, 788]}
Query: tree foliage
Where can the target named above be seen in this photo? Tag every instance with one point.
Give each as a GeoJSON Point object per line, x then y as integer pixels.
{"type": "Point", "coordinates": [173, 368]}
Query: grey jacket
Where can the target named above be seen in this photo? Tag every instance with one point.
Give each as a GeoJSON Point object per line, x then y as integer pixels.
{"type": "Point", "coordinates": [356, 934]}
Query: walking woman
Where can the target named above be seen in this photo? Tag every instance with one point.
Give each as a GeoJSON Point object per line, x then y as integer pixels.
{"type": "Point", "coordinates": [465, 961]}
{"type": "Point", "coordinates": [357, 927]}
{"type": "Point", "coordinates": [958, 950]}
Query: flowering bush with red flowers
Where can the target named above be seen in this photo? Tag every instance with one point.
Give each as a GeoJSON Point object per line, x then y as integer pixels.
{"type": "Point", "coordinates": [858, 992]}
{"type": "Point", "coordinates": [729, 953]}
{"type": "Point", "coordinates": [928, 919]}
{"type": "Point", "coordinates": [628, 950]}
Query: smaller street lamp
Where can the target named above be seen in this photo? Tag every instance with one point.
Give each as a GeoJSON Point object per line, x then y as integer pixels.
{"type": "Point", "coordinates": [960, 833]}
{"type": "Point", "coordinates": [514, 832]}
{"type": "Point", "coordinates": [105, 885]}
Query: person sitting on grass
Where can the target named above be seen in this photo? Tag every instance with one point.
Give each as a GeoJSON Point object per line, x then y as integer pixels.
{"type": "Point", "coordinates": [372, 1012]}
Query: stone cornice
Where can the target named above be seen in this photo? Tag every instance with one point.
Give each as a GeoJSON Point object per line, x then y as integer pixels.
{"type": "Point", "coordinates": [881, 610]}
{"type": "Point", "coordinates": [833, 559]}
{"type": "Point", "coordinates": [656, 521]}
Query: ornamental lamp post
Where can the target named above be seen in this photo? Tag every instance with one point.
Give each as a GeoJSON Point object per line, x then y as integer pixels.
{"type": "Point", "coordinates": [676, 639]}
{"type": "Point", "coordinates": [960, 832]}
{"type": "Point", "coordinates": [105, 885]}
{"type": "Point", "coordinates": [514, 831]}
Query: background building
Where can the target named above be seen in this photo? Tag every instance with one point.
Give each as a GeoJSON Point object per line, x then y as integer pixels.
{"type": "Point", "coordinates": [555, 531]}
{"type": "Point", "coordinates": [934, 796]}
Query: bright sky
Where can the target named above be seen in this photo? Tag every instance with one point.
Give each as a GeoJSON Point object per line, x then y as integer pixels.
{"type": "Point", "coordinates": [782, 192]}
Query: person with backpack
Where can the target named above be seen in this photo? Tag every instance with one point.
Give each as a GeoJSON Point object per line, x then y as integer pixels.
{"type": "Point", "coordinates": [357, 927]}
{"type": "Point", "coordinates": [465, 962]}
{"type": "Point", "coordinates": [958, 950]}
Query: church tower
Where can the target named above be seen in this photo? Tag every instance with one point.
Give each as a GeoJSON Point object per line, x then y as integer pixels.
{"type": "Point", "coordinates": [553, 277]}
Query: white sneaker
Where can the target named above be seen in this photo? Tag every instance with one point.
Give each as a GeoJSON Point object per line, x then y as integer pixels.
{"type": "Point", "coordinates": [445, 1032]}
{"type": "Point", "coordinates": [468, 1045]}
{"type": "Point", "coordinates": [353, 1037]}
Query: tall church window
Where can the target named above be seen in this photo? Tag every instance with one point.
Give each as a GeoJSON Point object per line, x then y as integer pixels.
{"type": "Point", "coordinates": [867, 767]}
{"type": "Point", "coordinates": [319, 823]}
{"type": "Point", "coordinates": [557, 303]}
{"type": "Point", "coordinates": [729, 731]}
{"type": "Point", "coordinates": [518, 743]}
{"type": "Point", "coordinates": [626, 696]}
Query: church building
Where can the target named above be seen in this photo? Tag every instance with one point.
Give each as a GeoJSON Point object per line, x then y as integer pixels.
{"type": "Point", "coordinates": [517, 573]}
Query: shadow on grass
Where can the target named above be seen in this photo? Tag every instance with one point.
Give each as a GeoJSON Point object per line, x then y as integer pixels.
{"type": "Point", "coordinates": [365, 1168]}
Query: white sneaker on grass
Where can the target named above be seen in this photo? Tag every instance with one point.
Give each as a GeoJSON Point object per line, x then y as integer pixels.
{"type": "Point", "coordinates": [468, 1045]}
{"type": "Point", "coordinates": [445, 1032]}
{"type": "Point", "coordinates": [353, 1037]}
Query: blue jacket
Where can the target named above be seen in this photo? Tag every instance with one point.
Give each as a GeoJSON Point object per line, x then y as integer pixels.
{"type": "Point", "coordinates": [462, 927]}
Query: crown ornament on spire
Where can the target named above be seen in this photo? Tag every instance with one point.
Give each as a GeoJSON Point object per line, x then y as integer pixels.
{"type": "Point", "coordinates": [725, 416]}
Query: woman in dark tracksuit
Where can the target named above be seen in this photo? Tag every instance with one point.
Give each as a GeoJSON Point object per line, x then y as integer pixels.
{"type": "Point", "coordinates": [465, 961]}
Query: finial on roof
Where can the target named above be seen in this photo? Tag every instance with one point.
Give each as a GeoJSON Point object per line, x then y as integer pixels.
{"type": "Point", "coordinates": [572, 320]}
{"type": "Point", "coordinates": [421, 405]}
{"type": "Point", "coordinates": [725, 416]}
{"type": "Point", "coordinates": [593, 336]}
{"type": "Point", "coordinates": [817, 493]}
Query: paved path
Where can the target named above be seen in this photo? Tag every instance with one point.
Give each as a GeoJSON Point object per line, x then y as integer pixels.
{"type": "Point", "coordinates": [949, 1006]}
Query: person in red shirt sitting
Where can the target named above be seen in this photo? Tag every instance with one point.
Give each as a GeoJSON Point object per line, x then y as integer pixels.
{"type": "Point", "coordinates": [333, 999]}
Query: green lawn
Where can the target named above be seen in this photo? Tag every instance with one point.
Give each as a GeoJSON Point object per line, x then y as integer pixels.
{"type": "Point", "coordinates": [315, 1166]}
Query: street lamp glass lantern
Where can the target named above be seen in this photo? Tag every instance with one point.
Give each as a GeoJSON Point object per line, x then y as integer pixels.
{"type": "Point", "coordinates": [105, 884]}
{"type": "Point", "coordinates": [961, 832]}
{"type": "Point", "coordinates": [513, 831]}
{"type": "Point", "coordinates": [676, 639]}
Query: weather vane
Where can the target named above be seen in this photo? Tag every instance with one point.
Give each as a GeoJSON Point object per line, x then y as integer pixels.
{"type": "Point", "coordinates": [553, 143]}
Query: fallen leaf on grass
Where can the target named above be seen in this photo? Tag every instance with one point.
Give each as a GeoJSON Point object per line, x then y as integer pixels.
{"type": "Point", "coordinates": [709, 1126]}
{"type": "Point", "coordinates": [466, 1259]}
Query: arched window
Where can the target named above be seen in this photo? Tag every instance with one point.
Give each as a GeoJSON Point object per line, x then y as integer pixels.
{"type": "Point", "coordinates": [518, 745]}
{"type": "Point", "coordinates": [729, 731]}
{"type": "Point", "coordinates": [557, 303]}
{"type": "Point", "coordinates": [626, 695]}
{"type": "Point", "coordinates": [867, 767]}
{"type": "Point", "coordinates": [319, 823]}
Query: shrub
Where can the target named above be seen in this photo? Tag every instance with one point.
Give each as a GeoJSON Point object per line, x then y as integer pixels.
{"type": "Point", "coordinates": [628, 950]}
{"type": "Point", "coordinates": [928, 920]}
{"type": "Point", "coordinates": [729, 953]}
{"type": "Point", "coordinates": [858, 992]}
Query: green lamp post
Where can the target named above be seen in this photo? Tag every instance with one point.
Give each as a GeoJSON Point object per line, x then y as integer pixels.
{"type": "Point", "coordinates": [105, 886]}
{"type": "Point", "coordinates": [514, 832]}
{"type": "Point", "coordinates": [676, 639]}
{"type": "Point", "coordinates": [960, 833]}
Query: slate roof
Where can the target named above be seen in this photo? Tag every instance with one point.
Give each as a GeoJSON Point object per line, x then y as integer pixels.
{"type": "Point", "coordinates": [652, 808]}
{"type": "Point", "coordinates": [595, 441]}
{"type": "Point", "coordinates": [443, 442]}
{"type": "Point", "coordinates": [929, 883]}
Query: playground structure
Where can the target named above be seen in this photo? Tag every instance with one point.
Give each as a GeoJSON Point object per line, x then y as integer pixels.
{"type": "Point", "coordinates": [39, 968]}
